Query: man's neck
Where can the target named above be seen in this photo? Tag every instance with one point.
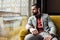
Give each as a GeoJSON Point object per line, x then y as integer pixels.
{"type": "Point", "coordinates": [38, 16]}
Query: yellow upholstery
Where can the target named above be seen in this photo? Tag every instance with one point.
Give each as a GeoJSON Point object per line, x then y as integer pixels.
{"type": "Point", "coordinates": [23, 31]}
{"type": "Point", "coordinates": [55, 19]}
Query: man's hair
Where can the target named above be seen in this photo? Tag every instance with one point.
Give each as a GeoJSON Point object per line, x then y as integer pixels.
{"type": "Point", "coordinates": [36, 5]}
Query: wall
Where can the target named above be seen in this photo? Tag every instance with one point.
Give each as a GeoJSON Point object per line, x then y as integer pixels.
{"type": "Point", "coordinates": [53, 6]}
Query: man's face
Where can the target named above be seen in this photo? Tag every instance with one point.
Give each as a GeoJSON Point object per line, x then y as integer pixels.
{"type": "Point", "coordinates": [34, 10]}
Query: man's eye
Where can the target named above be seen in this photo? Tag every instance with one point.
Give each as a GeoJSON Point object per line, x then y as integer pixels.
{"type": "Point", "coordinates": [33, 9]}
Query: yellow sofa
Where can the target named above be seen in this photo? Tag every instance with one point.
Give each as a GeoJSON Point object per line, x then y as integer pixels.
{"type": "Point", "coordinates": [55, 19]}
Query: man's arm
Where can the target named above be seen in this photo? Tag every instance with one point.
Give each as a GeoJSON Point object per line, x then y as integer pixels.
{"type": "Point", "coordinates": [29, 23]}
{"type": "Point", "coordinates": [51, 26]}
{"type": "Point", "coordinates": [52, 31]}
{"type": "Point", "coordinates": [30, 28]}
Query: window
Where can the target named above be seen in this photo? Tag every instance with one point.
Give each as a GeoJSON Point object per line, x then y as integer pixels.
{"type": "Point", "coordinates": [24, 7]}
{"type": "Point", "coordinates": [17, 6]}
{"type": "Point", "coordinates": [10, 6]}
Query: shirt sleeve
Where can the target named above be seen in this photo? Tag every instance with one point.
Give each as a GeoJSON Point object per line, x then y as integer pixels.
{"type": "Point", "coordinates": [29, 23]}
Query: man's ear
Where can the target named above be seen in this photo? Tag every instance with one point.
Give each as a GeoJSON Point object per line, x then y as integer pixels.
{"type": "Point", "coordinates": [38, 9]}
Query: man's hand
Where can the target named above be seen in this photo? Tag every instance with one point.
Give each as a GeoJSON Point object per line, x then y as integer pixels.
{"type": "Point", "coordinates": [34, 31]}
{"type": "Point", "coordinates": [49, 37]}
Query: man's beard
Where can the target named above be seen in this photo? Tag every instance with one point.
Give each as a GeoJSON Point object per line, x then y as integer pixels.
{"type": "Point", "coordinates": [35, 14]}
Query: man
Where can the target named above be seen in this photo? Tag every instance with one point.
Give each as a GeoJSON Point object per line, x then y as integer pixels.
{"type": "Point", "coordinates": [40, 26]}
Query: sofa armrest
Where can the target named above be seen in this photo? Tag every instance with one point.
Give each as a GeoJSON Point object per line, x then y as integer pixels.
{"type": "Point", "coordinates": [23, 32]}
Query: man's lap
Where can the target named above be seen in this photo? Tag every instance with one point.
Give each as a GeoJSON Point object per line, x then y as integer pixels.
{"type": "Point", "coordinates": [33, 37]}
{"type": "Point", "coordinates": [36, 37]}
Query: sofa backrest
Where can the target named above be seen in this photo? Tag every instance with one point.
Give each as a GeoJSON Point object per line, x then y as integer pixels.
{"type": "Point", "coordinates": [56, 21]}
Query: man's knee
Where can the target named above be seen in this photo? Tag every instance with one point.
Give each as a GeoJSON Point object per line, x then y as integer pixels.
{"type": "Point", "coordinates": [54, 38]}
{"type": "Point", "coordinates": [29, 37]}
